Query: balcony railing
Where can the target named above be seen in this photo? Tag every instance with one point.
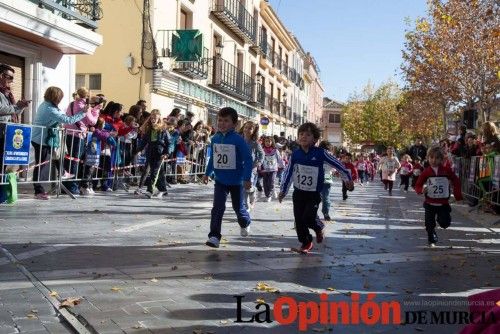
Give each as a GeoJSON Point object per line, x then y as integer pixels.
{"type": "Point", "coordinates": [194, 69]}
{"type": "Point", "coordinates": [288, 113]}
{"type": "Point", "coordinates": [263, 46]}
{"type": "Point", "coordinates": [234, 14]}
{"type": "Point", "coordinates": [260, 95]}
{"type": "Point", "coordinates": [228, 78]}
{"type": "Point", "coordinates": [83, 12]}
{"type": "Point", "coordinates": [276, 106]}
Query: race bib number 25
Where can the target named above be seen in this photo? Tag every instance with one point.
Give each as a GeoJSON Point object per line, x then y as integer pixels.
{"type": "Point", "coordinates": [438, 187]}
{"type": "Point", "coordinates": [224, 156]}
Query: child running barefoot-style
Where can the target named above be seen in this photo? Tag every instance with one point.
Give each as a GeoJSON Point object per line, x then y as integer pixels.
{"type": "Point", "coordinates": [231, 165]}
{"type": "Point", "coordinates": [250, 132]}
{"type": "Point", "coordinates": [305, 170]}
{"type": "Point", "coordinates": [272, 162]}
{"type": "Point", "coordinates": [434, 182]}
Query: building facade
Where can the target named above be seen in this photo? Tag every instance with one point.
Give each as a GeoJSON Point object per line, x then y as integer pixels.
{"type": "Point", "coordinates": [200, 56]}
{"type": "Point", "coordinates": [314, 90]}
{"type": "Point", "coordinates": [331, 122]}
{"type": "Point", "coordinates": [39, 40]}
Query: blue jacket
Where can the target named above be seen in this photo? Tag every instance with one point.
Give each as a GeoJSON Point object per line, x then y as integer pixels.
{"type": "Point", "coordinates": [307, 170]}
{"type": "Point", "coordinates": [46, 116]}
{"type": "Point", "coordinates": [235, 171]}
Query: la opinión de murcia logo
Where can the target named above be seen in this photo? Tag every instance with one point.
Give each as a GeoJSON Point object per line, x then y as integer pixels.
{"type": "Point", "coordinates": [286, 311]}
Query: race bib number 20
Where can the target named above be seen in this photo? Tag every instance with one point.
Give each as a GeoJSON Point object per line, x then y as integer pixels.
{"type": "Point", "coordinates": [305, 177]}
{"type": "Point", "coordinates": [224, 156]}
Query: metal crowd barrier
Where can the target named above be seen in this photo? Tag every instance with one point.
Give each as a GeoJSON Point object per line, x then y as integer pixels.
{"type": "Point", "coordinates": [81, 157]}
{"type": "Point", "coordinates": [480, 179]}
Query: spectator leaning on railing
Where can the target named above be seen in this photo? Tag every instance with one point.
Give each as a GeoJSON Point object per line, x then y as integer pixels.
{"type": "Point", "coordinates": [44, 137]}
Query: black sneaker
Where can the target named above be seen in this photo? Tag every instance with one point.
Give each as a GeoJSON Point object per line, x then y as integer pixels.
{"type": "Point", "coordinates": [432, 238]}
{"type": "Point", "coordinates": [345, 197]}
{"type": "Point", "coordinates": [327, 218]}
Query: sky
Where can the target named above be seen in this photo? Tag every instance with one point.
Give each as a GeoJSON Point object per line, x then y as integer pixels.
{"type": "Point", "coordinates": [353, 41]}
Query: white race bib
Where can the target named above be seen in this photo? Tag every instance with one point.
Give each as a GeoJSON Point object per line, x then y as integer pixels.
{"type": "Point", "coordinates": [270, 162]}
{"type": "Point", "coordinates": [224, 156]}
{"type": "Point", "coordinates": [404, 170]}
{"type": "Point", "coordinates": [305, 177]}
{"type": "Point", "coordinates": [438, 187]}
{"type": "Point", "coordinates": [390, 166]}
{"type": "Point", "coordinates": [362, 166]}
{"type": "Point", "coordinates": [416, 172]}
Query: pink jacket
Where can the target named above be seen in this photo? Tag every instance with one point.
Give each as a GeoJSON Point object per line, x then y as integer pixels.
{"type": "Point", "coordinates": [89, 120]}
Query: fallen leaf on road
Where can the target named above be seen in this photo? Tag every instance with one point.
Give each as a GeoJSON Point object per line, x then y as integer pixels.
{"type": "Point", "coordinates": [154, 280]}
{"type": "Point", "coordinates": [116, 289]}
{"type": "Point", "coordinates": [138, 326]}
{"type": "Point", "coordinates": [31, 316]}
{"type": "Point", "coordinates": [260, 301]}
{"type": "Point", "coordinates": [330, 289]}
{"type": "Point", "coordinates": [70, 302]}
{"type": "Point", "coordinates": [54, 294]}
{"type": "Point", "coordinates": [223, 322]}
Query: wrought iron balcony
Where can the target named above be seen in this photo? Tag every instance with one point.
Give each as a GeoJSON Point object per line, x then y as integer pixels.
{"type": "Point", "coordinates": [229, 79]}
{"type": "Point", "coordinates": [259, 96]}
{"type": "Point", "coordinates": [276, 106]}
{"type": "Point", "coordinates": [288, 113]}
{"type": "Point", "coordinates": [262, 46]}
{"type": "Point", "coordinates": [234, 14]}
{"type": "Point", "coordinates": [83, 12]}
{"type": "Point", "coordinates": [194, 69]}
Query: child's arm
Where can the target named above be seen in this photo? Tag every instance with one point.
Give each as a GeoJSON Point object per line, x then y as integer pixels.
{"type": "Point", "coordinates": [210, 165]}
{"type": "Point", "coordinates": [246, 156]}
{"type": "Point", "coordinates": [259, 155]}
{"type": "Point", "coordinates": [344, 174]}
{"type": "Point", "coordinates": [287, 177]}
{"type": "Point", "coordinates": [419, 185]}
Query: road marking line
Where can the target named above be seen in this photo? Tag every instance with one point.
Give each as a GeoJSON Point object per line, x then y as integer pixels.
{"type": "Point", "coordinates": [142, 225]}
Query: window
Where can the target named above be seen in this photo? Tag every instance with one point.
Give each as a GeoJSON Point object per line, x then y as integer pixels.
{"type": "Point", "coordinates": [186, 19]}
{"type": "Point", "coordinates": [334, 118]}
{"type": "Point", "coordinates": [92, 81]}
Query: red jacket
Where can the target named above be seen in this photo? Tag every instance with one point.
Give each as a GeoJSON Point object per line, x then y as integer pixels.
{"type": "Point", "coordinates": [436, 189]}
{"type": "Point", "coordinates": [118, 125]}
{"type": "Point", "coordinates": [354, 171]}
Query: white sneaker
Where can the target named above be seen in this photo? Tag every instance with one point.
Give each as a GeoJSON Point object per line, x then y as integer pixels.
{"type": "Point", "coordinates": [67, 175]}
{"type": "Point", "coordinates": [85, 191]}
{"type": "Point", "coordinates": [161, 194]}
{"type": "Point", "coordinates": [212, 242]}
{"type": "Point", "coordinates": [91, 191]}
{"type": "Point", "coordinates": [245, 231]}
{"type": "Point", "coordinates": [138, 191]}
{"type": "Point", "coordinates": [268, 199]}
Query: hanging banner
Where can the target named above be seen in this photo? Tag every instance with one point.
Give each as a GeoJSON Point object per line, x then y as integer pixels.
{"type": "Point", "coordinates": [17, 145]}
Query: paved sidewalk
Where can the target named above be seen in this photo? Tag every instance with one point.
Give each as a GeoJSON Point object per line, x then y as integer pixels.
{"type": "Point", "coordinates": [140, 266]}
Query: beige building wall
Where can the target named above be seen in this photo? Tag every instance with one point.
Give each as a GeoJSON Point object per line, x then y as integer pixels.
{"type": "Point", "coordinates": [331, 122]}
{"type": "Point", "coordinates": [121, 28]}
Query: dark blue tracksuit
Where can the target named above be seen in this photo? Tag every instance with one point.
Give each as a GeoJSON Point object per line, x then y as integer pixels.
{"type": "Point", "coordinates": [231, 164]}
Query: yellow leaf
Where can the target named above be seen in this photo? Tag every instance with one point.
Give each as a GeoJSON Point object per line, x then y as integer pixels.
{"type": "Point", "coordinates": [154, 280]}
{"type": "Point", "coordinates": [223, 322]}
{"type": "Point", "coordinates": [54, 294]}
{"type": "Point", "coordinates": [116, 289]}
{"type": "Point", "coordinates": [330, 289]}
{"type": "Point", "coordinates": [70, 302]}
{"type": "Point", "coordinates": [31, 316]}
{"type": "Point", "coordinates": [260, 301]}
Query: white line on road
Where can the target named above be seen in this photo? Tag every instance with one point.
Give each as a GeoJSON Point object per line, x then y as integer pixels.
{"type": "Point", "coordinates": [142, 225]}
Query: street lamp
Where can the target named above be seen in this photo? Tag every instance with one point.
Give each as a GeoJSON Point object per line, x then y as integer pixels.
{"type": "Point", "coordinates": [218, 48]}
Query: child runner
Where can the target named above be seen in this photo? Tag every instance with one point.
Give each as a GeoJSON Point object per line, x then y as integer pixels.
{"type": "Point", "coordinates": [434, 182]}
{"type": "Point", "coordinates": [231, 165]}
{"type": "Point", "coordinates": [156, 141]}
{"type": "Point", "coordinates": [346, 161]}
{"type": "Point", "coordinates": [370, 169]}
{"type": "Point", "coordinates": [306, 168]}
{"type": "Point", "coordinates": [389, 164]}
{"type": "Point", "coordinates": [417, 170]}
{"type": "Point", "coordinates": [272, 161]}
{"type": "Point", "coordinates": [327, 184]}
{"type": "Point", "coordinates": [405, 171]}
{"type": "Point", "coordinates": [362, 169]}
{"type": "Point", "coordinates": [250, 132]}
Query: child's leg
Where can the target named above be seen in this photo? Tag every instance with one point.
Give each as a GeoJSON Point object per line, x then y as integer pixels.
{"type": "Point", "coordinates": [430, 218]}
{"type": "Point", "coordinates": [154, 166]}
{"type": "Point", "coordinates": [391, 184]}
{"type": "Point", "coordinates": [219, 206]}
{"type": "Point", "coordinates": [344, 190]}
{"type": "Point", "coordinates": [237, 195]}
{"type": "Point", "coordinates": [325, 199]}
{"type": "Point", "coordinates": [267, 180]}
{"type": "Point", "coordinates": [443, 215]}
{"type": "Point", "coordinates": [299, 207]}
{"type": "Point", "coordinates": [311, 212]}
{"type": "Point", "coordinates": [406, 181]}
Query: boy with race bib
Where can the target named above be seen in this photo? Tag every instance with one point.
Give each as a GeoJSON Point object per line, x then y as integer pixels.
{"type": "Point", "coordinates": [306, 169]}
{"type": "Point", "coordinates": [231, 166]}
{"type": "Point", "coordinates": [434, 182]}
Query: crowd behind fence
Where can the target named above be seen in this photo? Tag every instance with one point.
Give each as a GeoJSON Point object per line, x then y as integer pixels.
{"type": "Point", "coordinates": [83, 159]}
{"type": "Point", "coordinates": [480, 179]}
